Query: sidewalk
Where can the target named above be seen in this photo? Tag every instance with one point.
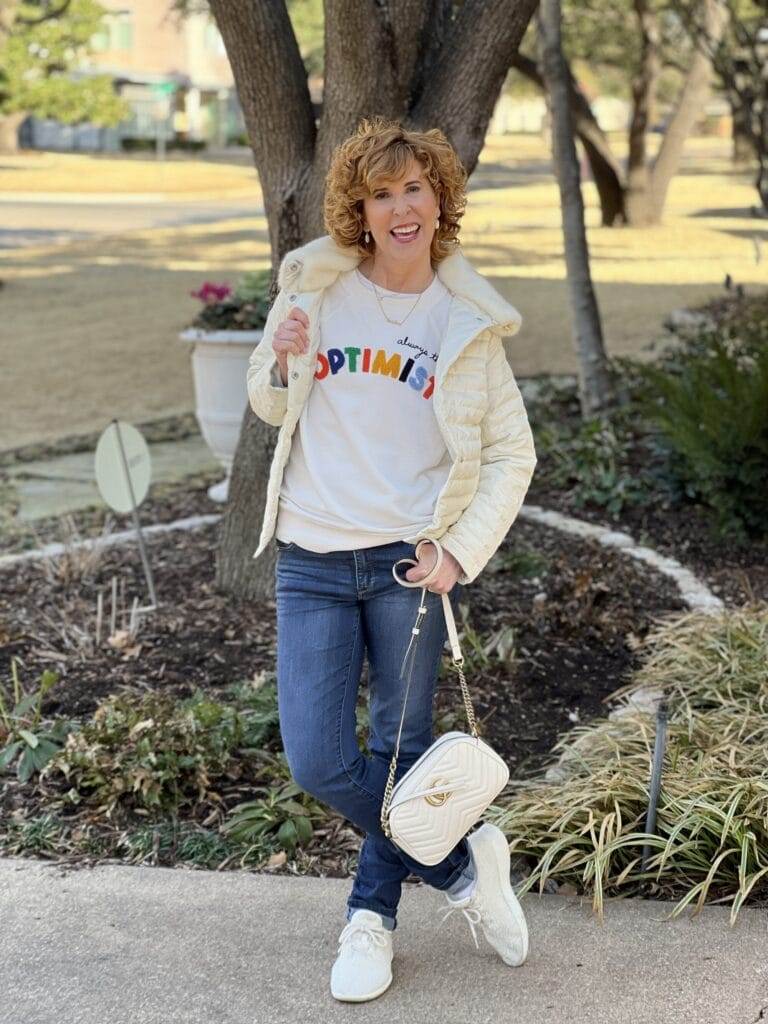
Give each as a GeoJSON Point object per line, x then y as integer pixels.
{"type": "Point", "coordinates": [129, 945]}
{"type": "Point", "coordinates": [66, 483]}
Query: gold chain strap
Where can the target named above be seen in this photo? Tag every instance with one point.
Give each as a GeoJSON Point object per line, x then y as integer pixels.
{"type": "Point", "coordinates": [458, 665]}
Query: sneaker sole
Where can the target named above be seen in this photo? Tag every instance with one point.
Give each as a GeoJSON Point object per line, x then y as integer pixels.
{"type": "Point", "coordinates": [366, 997]}
{"type": "Point", "coordinates": [490, 846]}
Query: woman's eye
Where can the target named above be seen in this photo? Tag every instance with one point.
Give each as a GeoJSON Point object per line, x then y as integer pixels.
{"type": "Point", "coordinates": [383, 195]}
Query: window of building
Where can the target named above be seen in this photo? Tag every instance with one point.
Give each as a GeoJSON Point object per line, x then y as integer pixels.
{"type": "Point", "coordinates": [213, 41]}
{"type": "Point", "coordinates": [115, 32]}
{"type": "Point", "coordinates": [123, 37]}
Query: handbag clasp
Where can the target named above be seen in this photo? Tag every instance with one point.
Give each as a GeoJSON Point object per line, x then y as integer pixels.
{"type": "Point", "coordinates": [437, 799]}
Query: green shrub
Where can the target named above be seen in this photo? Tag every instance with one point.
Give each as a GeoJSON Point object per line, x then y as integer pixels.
{"type": "Point", "coordinates": [24, 740]}
{"type": "Point", "coordinates": [283, 813]}
{"type": "Point", "coordinates": [172, 842]}
{"type": "Point", "coordinates": [148, 753]}
{"type": "Point", "coordinates": [710, 404]}
{"type": "Point", "coordinates": [256, 700]}
{"type": "Point", "coordinates": [593, 463]}
{"type": "Point", "coordinates": [38, 835]}
{"type": "Point", "coordinates": [607, 460]}
{"type": "Point", "coordinates": [691, 426]}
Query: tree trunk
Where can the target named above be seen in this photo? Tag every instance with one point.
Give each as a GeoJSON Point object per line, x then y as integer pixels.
{"type": "Point", "coordinates": [761, 182]}
{"type": "Point", "coordinates": [743, 151]}
{"type": "Point", "coordinates": [605, 168]}
{"type": "Point", "coordinates": [594, 383]}
{"type": "Point", "coordinates": [689, 107]}
{"type": "Point", "coordinates": [410, 60]}
{"type": "Point", "coordinates": [643, 102]}
{"type": "Point", "coordinates": [240, 531]}
{"type": "Point", "coordinates": [9, 132]}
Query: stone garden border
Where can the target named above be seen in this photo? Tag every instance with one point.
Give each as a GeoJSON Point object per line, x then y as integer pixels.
{"type": "Point", "coordinates": [122, 537]}
{"type": "Point", "coordinates": [693, 591]}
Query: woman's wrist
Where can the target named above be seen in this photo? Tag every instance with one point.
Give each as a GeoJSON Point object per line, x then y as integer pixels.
{"type": "Point", "coordinates": [282, 369]}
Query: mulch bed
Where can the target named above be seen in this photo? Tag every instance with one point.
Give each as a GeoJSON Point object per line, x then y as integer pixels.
{"type": "Point", "coordinates": [737, 574]}
{"type": "Point", "coordinates": [576, 625]}
{"type": "Point", "coordinates": [578, 613]}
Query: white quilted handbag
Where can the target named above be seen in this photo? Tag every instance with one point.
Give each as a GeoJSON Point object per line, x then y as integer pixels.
{"type": "Point", "coordinates": [448, 788]}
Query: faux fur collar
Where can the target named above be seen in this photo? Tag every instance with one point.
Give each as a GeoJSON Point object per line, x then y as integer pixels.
{"type": "Point", "coordinates": [317, 264]}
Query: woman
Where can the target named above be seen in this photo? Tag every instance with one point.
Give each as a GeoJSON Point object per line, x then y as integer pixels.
{"type": "Point", "coordinates": [400, 422]}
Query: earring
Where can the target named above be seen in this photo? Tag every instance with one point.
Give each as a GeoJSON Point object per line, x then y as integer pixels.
{"type": "Point", "coordinates": [437, 224]}
{"type": "Point", "coordinates": [367, 238]}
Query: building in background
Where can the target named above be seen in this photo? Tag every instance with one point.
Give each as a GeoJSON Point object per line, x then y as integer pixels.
{"type": "Point", "coordinates": [172, 71]}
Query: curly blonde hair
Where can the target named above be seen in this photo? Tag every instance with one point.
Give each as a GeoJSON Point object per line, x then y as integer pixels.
{"type": "Point", "coordinates": [380, 150]}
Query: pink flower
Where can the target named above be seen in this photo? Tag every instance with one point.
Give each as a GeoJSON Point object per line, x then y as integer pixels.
{"type": "Point", "coordinates": [210, 293]}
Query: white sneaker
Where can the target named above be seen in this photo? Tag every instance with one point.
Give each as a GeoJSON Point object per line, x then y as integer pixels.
{"type": "Point", "coordinates": [492, 901]}
{"type": "Point", "coordinates": [363, 967]}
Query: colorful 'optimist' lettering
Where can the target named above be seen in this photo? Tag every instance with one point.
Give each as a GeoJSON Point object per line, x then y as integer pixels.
{"type": "Point", "coordinates": [375, 361]}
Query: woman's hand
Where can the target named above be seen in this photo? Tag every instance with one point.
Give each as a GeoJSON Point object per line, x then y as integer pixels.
{"type": "Point", "coordinates": [291, 336]}
{"type": "Point", "coordinates": [447, 577]}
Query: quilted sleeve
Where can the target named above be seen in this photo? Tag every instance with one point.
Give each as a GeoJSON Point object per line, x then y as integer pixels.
{"type": "Point", "coordinates": [507, 462]}
{"type": "Point", "coordinates": [268, 399]}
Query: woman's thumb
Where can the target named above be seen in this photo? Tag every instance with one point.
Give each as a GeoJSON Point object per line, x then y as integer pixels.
{"type": "Point", "coordinates": [415, 573]}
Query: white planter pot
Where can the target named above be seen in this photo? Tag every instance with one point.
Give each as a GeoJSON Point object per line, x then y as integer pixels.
{"type": "Point", "coordinates": [219, 365]}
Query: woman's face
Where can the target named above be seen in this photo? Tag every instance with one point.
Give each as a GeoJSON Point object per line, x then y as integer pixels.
{"type": "Point", "coordinates": [409, 202]}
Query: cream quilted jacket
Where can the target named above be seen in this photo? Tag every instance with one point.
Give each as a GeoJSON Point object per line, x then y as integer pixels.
{"type": "Point", "coordinates": [477, 402]}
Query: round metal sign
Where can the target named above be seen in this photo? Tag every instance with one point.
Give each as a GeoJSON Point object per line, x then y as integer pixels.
{"type": "Point", "coordinates": [122, 453]}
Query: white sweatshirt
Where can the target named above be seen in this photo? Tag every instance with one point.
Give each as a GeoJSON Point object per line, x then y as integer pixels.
{"type": "Point", "coordinates": [367, 459]}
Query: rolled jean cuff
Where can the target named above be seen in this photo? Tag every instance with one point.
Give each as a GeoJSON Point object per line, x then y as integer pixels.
{"type": "Point", "coordinates": [390, 923]}
{"type": "Point", "coordinates": [464, 873]}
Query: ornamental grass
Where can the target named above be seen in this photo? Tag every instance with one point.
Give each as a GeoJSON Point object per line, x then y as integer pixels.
{"type": "Point", "coordinates": [586, 825]}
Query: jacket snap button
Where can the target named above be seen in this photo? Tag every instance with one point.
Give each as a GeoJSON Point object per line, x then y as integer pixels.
{"type": "Point", "coordinates": [295, 374]}
{"type": "Point", "coordinates": [292, 298]}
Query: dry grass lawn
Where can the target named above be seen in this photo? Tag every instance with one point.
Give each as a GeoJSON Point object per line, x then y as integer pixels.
{"type": "Point", "coordinates": [89, 329]}
{"type": "Point", "coordinates": [178, 175]}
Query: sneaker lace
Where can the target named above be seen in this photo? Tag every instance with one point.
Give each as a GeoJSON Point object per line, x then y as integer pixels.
{"type": "Point", "coordinates": [362, 937]}
{"type": "Point", "coordinates": [472, 914]}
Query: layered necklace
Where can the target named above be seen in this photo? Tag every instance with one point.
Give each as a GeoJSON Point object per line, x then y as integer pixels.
{"type": "Point", "coordinates": [381, 307]}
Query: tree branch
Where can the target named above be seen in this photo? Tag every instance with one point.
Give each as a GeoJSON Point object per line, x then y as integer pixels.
{"type": "Point", "coordinates": [46, 15]}
{"type": "Point", "coordinates": [473, 62]}
{"type": "Point", "coordinates": [605, 168]}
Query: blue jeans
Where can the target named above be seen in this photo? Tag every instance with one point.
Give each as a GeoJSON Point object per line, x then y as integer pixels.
{"type": "Point", "coordinates": [332, 608]}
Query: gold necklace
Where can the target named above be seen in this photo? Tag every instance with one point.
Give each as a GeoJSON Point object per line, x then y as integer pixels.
{"type": "Point", "coordinates": [378, 299]}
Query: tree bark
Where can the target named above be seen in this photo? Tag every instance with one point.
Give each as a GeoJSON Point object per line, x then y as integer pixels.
{"type": "Point", "coordinates": [239, 537]}
{"type": "Point", "coordinates": [741, 136]}
{"type": "Point", "coordinates": [9, 132]}
{"type": "Point", "coordinates": [761, 181]}
{"type": "Point", "coordinates": [643, 102]}
{"type": "Point", "coordinates": [690, 104]}
{"type": "Point", "coordinates": [407, 59]}
{"type": "Point", "coordinates": [594, 382]}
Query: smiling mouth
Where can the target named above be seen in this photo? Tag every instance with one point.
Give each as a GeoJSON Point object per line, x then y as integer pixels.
{"type": "Point", "coordinates": [406, 236]}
